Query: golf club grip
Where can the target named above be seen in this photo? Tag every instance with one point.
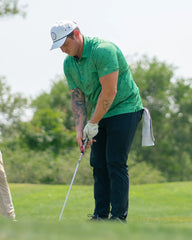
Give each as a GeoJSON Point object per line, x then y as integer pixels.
{"type": "Point", "coordinates": [84, 145]}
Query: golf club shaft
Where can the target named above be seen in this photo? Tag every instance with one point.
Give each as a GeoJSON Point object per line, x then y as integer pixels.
{"type": "Point", "coordinates": [82, 152]}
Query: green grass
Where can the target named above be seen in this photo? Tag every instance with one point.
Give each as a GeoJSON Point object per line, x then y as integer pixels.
{"type": "Point", "coordinates": [157, 211]}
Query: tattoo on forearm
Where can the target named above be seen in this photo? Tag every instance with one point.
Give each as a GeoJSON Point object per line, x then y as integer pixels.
{"type": "Point", "coordinates": [106, 104]}
{"type": "Point", "coordinates": [76, 93]}
{"type": "Point", "coordinates": [78, 107]}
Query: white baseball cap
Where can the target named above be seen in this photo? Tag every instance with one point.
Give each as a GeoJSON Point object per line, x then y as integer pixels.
{"type": "Point", "coordinates": [60, 31]}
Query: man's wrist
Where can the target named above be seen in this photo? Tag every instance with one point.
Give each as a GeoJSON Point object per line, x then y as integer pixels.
{"type": "Point", "coordinates": [92, 121]}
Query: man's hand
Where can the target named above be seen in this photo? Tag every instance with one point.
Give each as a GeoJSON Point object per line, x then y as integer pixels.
{"type": "Point", "coordinates": [90, 131]}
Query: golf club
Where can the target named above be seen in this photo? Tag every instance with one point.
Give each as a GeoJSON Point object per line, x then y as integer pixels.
{"type": "Point", "coordinates": [82, 152]}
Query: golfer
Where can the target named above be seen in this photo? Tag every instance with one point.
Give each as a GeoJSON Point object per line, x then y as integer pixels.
{"type": "Point", "coordinates": [96, 70]}
{"type": "Point", "coordinates": [6, 204]}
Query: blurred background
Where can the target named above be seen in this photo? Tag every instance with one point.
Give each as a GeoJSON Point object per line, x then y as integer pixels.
{"type": "Point", "coordinates": [37, 127]}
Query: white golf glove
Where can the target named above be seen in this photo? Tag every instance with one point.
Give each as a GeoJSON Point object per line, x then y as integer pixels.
{"type": "Point", "coordinates": [90, 131]}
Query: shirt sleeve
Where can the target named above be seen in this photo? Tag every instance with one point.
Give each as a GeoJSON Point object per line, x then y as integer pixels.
{"type": "Point", "coordinates": [70, 82]}
{"type": "Point", "coordinates": [106, 59]}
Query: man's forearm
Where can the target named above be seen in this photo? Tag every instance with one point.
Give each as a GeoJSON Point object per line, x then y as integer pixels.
{"type": "Point", "coordinates": [78, 108]}
{"type": "Point", "coordinates": [101, 109]}
{"type": "Point", "coordinates": [103, 105]}
{"type": "Point", "coordinates": [106, 97]}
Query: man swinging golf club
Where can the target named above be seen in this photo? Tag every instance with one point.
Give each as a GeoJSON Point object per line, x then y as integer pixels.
{"type": "Point", "coordinates": [96, 69]}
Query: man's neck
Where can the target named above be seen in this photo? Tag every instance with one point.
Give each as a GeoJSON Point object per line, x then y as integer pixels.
{"type": "Point", "coordinates": [80, 53]}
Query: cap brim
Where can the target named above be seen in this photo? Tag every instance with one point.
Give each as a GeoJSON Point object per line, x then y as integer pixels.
{"type": "Point", "coordinates": [58, 44]}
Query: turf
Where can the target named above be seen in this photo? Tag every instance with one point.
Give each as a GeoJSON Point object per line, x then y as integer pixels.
{"type": "Point", "coordinates": [156, 211]}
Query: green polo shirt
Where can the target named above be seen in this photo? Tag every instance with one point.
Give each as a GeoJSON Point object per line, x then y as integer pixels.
{"type": "Point", "coordinates": [100, 58]}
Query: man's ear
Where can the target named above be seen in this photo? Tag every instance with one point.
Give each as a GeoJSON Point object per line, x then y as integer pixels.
{"type": "Point", "coordinates": [76, 33]}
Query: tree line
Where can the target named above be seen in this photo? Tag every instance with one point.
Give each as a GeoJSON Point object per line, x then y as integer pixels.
{"type": "Point", "coordinates": [43, 148]}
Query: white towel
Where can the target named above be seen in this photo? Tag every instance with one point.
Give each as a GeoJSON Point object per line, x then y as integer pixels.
{"type": "Point", "coordinates": [147, 129]}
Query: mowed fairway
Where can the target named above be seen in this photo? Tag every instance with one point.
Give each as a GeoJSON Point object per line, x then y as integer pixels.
{"type": "Point", "coordinates": [157, 211]}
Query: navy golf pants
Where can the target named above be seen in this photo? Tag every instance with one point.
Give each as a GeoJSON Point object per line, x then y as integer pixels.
{"type": "Point", "coordinates": [109, 156]}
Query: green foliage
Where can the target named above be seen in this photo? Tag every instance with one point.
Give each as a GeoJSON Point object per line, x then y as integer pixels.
{"type": "Point", "coordinates": [154, 81]}
{"type": "Point", "coordinates": [12, 109]}
{"type": "Point", "coordinates": [47, 131]}
{"type": "Point", "coordinates": [58, 99]}
{"type": "Point", "coordinates": [169, 101]}
{"type": "Point", "coordinates": [11, 7]}
{"type": "Point", "coordinates": [143, 172]}
{"type": "Point", "coordinates": [31, 166]}
{"type": "Point", "coordinates": [52, 124]}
